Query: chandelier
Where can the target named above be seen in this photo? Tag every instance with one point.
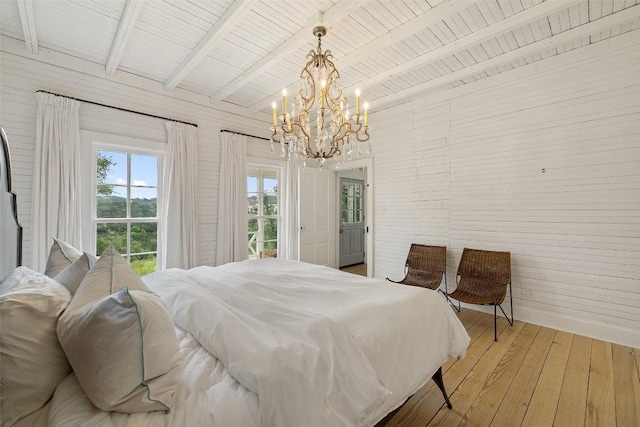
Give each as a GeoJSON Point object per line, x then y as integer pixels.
{"type": "Point", "coordinates": [319, 124]}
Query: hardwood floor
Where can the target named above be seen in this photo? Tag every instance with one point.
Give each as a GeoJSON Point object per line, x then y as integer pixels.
{"type": "Point", "coordinates": [533, 376]}
{"type": "Point", "coordinates": [360, 269]}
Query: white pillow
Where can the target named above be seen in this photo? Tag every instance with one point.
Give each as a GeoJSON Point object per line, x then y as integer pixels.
{"type": "Point", "coordinates": [120, 340]}
{"type": "Point", "coordinates": [61, 255]}
{"type": "Point", "coordinates": [72, 275]}
{"type": "Point", "coordinates": [32, 362]}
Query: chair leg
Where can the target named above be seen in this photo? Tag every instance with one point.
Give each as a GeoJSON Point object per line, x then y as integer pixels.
{"type": "Point", "coordinates": [507, 317]}
{"type": "Point", "coordinates": [437, 378]}
{"type": "Point", "coordinates": [495, 323]}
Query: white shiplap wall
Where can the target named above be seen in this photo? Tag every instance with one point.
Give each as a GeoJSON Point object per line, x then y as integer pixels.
{"type": "Point", "coordinates": [21, 77]}
{"type": "Point", "coordinates": [543, 162]}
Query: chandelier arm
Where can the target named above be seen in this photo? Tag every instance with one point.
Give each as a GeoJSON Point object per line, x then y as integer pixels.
{"type": "Point", "coordinates": [366, 133]}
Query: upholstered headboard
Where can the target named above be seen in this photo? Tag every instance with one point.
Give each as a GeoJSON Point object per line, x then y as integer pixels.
{"type": "Point", "coordinates": [10, 229]}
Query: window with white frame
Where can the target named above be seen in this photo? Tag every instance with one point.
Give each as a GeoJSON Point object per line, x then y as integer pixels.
{"type": "Point", "coordinates": [263, 210]}
{"type": "Point", "coordinates": [126, 204]}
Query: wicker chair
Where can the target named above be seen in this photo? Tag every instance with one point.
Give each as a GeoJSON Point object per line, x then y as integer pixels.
{"type": "Point", "coordinates": [482, 278]}
{"type": "Point", "coordinates": [425, 266]}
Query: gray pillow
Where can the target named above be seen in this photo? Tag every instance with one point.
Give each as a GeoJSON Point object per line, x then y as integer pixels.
{"type": "Point", "coordinates": [120, 340]}
{"type": "Point", "coordinates": [72, 275]}
{"type": "Point", "coordinates": [61, 255]}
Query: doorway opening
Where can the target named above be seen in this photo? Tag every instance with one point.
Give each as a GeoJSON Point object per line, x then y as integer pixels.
{"type": "Point", "coordinates": [354, 239]}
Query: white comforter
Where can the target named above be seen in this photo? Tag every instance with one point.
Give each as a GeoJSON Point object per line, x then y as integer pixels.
{"type": "Point", "coordinates": [319, 347]}
{"type": "Point", "coordinates": [294, 344]}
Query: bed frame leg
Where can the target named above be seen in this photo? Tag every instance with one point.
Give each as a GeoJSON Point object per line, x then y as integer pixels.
{"type": "Point", "coordinates": [437, 378]}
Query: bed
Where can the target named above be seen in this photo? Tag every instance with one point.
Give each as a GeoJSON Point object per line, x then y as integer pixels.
{"type": "Point", "coordinates": [272, 343]}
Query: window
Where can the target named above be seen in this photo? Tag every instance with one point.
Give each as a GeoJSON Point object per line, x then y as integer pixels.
{"type": "Point", "coordinates": [262, 211]}
{"type": "Point", "coordinates": [126, 204]}
{"type": "Point", "coordinates": [351, 203]}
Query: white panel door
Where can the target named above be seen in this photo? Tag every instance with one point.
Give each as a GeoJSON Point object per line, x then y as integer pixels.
{"type": "Point", "coordinates": [317, 216]}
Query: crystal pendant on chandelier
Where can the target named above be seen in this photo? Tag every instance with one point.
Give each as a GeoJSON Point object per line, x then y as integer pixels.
{"type": "Point", "coordinates": [319, 124]}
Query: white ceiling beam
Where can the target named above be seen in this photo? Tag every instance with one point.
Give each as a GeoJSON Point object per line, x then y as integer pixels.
{"type": "Point", "coordinates": [508, 24]}
{"type": "Point", "coordinates": [560, 39]}
{"type": "Point", "coordinates": [226, 23]}
{"type": "Point", "coordinates": [125, 29]}
{"type": "Point", "coordinates": [334, 14]}
{"type": "Point", "coordinates": [415, 25]}
{"type": "Point", "coordinates": [28, 20]}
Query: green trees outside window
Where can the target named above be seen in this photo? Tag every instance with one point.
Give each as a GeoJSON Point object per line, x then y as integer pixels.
{"type": "Point", "coordinates": [262, 211]}
{"type": "Point", "coordinates": [126, 207]}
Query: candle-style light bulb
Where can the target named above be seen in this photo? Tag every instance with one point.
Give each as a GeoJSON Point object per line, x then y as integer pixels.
{"type": "Point", "coordinates": [284, 101]}
{"type": "Point", "coordinates": [366, 114]}
{"type": "Point", "coordinates": [275, 114]}
{"type": "Point", "coordinates": [357, 102]}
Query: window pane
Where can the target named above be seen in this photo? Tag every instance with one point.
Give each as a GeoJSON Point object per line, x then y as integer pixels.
{"type": "Point", "coordinates": [344, 215]}
{"type": "Point", "coordinates": [144, 237]}
{"type": "Point", "coordinates": [144, 264]}
{"type": "Point", "coordinates": [111, 234]}
{"type": "Point", "coordinates": [252, 203]}
{"type": "Point", "coordinates": [111, 167]}
{"type": "Point", "coordinates": [270, 206]}
{"type": "Point", "coordinates": [144, 202]}
{"type": "Point", "coordinates": [270, 185]}
{"type": "Point", "coordinates": [358, 216]}
{"type": "Point", "coordinates": [270, 229]}
{"type": "Point", "coordinates": [270, 249]}
{"type": "Point", "coordinates": [252, 184]}
{"type": "Point", "coordinates": [144, 170]}
{"type": "Point", "coordinates": [111, 206]}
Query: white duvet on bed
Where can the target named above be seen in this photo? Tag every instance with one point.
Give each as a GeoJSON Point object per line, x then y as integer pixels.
{"type": "Point", "coordinates": [319, 347]}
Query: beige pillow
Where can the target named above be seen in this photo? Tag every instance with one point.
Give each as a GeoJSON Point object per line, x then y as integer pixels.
{"type": "Point", "coordinates": [32, 362]}
{"type": "Point", "coordinates": [120, 340]}
{"type": "Point", "coordinates": [72, 275]}
{"type": "Point", "coordinates": [61, 255]}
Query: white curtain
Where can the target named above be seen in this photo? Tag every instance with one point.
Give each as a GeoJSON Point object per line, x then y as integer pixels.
{"type": "Point", "coordinates": [290, 211]}
{"type": "Point", "coordinates": [56, 208]}
{"type": "Point", "coordinates": [232, 199]}
{"type": "Point", "coordinates": [178, 232]}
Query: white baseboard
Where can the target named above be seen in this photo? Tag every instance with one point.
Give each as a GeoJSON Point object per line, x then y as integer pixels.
{"type": "Point", "coordinates": [597, 330]}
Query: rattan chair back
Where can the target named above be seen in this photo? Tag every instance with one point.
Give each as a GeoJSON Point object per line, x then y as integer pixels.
{"type": "Point", "coordinates": [483, 277]}
{"type": "Point", "coordinates": [426, 266]}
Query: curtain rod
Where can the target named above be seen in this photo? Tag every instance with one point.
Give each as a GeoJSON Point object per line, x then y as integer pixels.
{"type": "Point", "coordinates": [244, 134]}
{"type": "Point", "coordinates": [118, 108]}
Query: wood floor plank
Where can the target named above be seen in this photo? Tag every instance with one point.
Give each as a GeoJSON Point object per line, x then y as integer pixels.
{"type": "Point", "coordinates": [572, 403]}
{"type": "Point", "coordinates": [544, 401]}
{"type": "Point", "coordinates": [514, 405]}
{"type": "Point", "coordinates": [626, 387]}
{"type": "Point", "coordinates": [488, 400]}
{"type": "Point", "coordinates": [601, 406]}
{"type": "Point", "coordinates": [476, 379]}
{"type": "Point", "coordinates": [636, 352]}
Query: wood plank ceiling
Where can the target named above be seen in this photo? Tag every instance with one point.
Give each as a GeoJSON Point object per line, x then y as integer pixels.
{"type": "Point", "coordinates": [244, 52]}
